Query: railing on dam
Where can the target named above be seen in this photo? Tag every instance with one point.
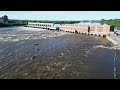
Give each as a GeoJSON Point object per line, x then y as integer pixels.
{"type": "Point", "coordinates": [41, 25]}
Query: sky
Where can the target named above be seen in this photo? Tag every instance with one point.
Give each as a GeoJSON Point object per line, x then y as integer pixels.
{"type": "Point", "coordinates": [61, 15]}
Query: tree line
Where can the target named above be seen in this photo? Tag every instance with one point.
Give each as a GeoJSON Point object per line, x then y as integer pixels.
{"type": "Point", "coordinates": [13, 23]}
{"type": "Point", "coordinates": [114, 22]}
{"type": "Point", "coordinates": [54, 22]}
{"type": "Point", "coordinates": [25, 22]}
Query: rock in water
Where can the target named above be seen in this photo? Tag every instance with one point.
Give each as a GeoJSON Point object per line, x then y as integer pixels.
{"type": "Point", "coordinates": [36, 44]}
{"type": "Point", "coordinates": [37, 49]}
{"type": "Point", "coordinates": [33, 57]}
{"type": "Point", "coordinates": [48, 68]}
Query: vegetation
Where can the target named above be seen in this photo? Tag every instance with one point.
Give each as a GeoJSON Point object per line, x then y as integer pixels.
{"type": "Point", "coordinates": [24, 22]}
{"type": "Point", "coordinates": [114, 22]}
{"type": "Point", "coordinates": [13, 23]}
{"type": "Point", "coordinates": [55, 22]}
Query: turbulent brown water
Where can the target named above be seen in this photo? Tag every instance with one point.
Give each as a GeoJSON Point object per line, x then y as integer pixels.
{"type": "Point", "coordinates": [29, 53]}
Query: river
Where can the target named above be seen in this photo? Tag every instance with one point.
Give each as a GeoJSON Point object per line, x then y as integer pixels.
{"type": "Point", "coordinates": [32, 53]}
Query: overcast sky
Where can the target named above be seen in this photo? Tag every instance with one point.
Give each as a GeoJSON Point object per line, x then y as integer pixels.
{"type": "Point", "coordinates": [61, 15]}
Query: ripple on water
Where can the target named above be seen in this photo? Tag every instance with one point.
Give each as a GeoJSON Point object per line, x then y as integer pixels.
{"type": "Point", "coordinates": [59, 55]}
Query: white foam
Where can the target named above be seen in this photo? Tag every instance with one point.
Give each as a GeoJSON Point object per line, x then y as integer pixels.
{"type": "Point", "coordinates": [88, 51]}
{"type": "Point", "coordinates": [115, 73]}
{"type": "Point", "coordinates": [14, 35]}
{"type": "Point", "coordinates": [31, 29]}
{"type": "Point", "coordinates": [102, 46]}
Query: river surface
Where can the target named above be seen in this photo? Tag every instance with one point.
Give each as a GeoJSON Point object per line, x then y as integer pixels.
{"type": "Point", "coordinates": [30, 53]}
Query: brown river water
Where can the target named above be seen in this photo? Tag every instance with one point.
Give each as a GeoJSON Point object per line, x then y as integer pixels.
{"type": "Point", "coordinates": [30, 53]}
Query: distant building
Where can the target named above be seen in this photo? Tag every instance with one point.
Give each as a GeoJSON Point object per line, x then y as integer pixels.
{"type": "Point", "coordinates": [4, 18]}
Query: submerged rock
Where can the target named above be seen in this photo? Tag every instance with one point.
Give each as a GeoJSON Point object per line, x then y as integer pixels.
{"type": "Point", "coordinates": [48, 68]}
{"type": "Point", "coordinates": [33, 57]}
{"type": "Point", "coordinates": [36, 44]}
{"type": "Point", "coordinates": [37, 49]}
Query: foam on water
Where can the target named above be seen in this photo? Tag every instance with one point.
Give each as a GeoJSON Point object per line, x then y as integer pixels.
{"type": "Point", "coordinates": [24, 33]}
{"type": "Point", "coordinates": [102, 46]}
{"type": "Point", "coordinates": [30, 29]}
{"type": "Point", "coordinates": [72, 54]}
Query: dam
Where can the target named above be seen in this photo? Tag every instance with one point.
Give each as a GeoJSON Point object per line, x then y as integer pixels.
{"type": "Point", "coordinates": [48, 26]}
{"type": "Point", "coordinates": [94, 30]}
